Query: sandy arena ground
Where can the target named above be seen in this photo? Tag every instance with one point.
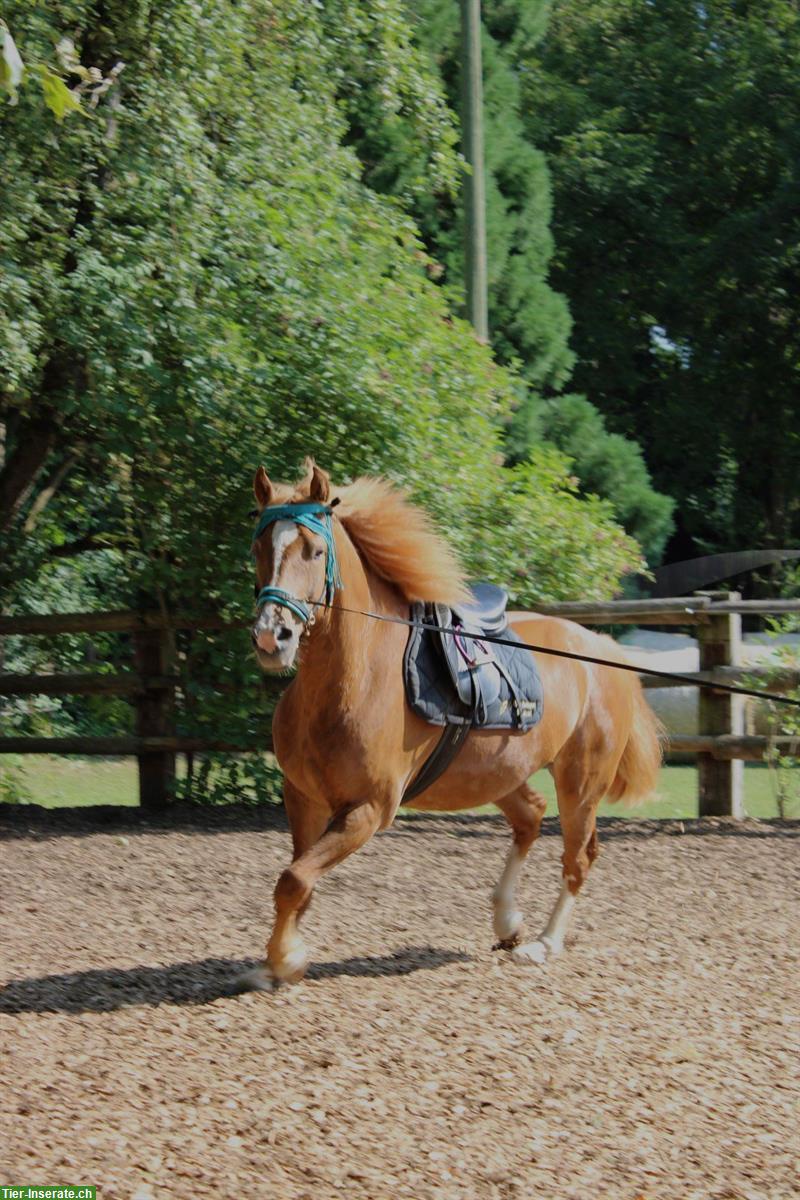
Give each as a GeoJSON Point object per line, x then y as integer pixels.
{"type": "Point", "coordinates": [658, 1058]}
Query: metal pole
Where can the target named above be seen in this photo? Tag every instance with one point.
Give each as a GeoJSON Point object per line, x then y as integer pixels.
{"type": "Point", "coordinates": [474, 186]}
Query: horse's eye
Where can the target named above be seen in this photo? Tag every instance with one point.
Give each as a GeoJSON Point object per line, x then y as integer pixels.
{"type": "Point", "coordinates": [318, 553]}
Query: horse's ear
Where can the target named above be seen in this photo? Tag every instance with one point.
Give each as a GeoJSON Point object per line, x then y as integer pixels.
{"type": "Point", "coordinates": [262, 488]}
{"type": "Point", "coordinates": [320, 486]}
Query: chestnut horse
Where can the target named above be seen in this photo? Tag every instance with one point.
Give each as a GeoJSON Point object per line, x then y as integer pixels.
{"type": "Point", "coordinates": [348, 743]}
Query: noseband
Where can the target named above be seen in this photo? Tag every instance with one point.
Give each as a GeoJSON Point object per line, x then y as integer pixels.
{"type": "Point", "coordinates": [316, 518]}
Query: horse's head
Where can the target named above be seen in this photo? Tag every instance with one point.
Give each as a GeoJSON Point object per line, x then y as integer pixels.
{"type": "Point", "coordinates": [295, 562]}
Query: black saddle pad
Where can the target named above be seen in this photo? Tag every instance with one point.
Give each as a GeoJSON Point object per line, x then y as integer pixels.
{"type": "Point", "coordinates": [462, 680]}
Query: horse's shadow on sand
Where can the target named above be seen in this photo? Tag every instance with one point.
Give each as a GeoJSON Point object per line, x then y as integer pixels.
{"type": "Point", "coordinates": [191, 983]}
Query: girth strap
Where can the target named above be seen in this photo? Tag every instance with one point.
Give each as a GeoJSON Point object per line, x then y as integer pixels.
{"type": "Point", "coordinates": [443, 753]}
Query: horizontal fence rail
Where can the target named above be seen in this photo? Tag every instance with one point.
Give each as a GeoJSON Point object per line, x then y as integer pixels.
{"type": "Point", "coordinates": [778, 680]}
{"type": "Point", "coordinates": [749, 747]}
{"type": "Point", "coordinates": [113, 622]}
{"type": "Point", "coordinates": [729, 746]}
{"type": "Point", "coordinates": [115, 685]}
{"type": "Point", "coordinates": [720, 750]}
{"type": "Point", "coordinates": [680, 610]}
{"type": "Point", "coordinates": [133, 685]}
{"type": "Point", "coordinates": [130, 745]}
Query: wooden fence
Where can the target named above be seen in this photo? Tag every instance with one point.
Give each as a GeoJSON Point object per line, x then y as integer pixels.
{"type": "Point", "coordinates": [721, 748]}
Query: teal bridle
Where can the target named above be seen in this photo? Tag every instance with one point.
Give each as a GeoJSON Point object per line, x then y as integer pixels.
{"type": "Point", "coordinates": [317, 518]}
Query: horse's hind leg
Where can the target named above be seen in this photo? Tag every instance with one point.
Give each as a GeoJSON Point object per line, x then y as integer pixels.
{"type": "Point", "coordinates": [523, 809]}
{"type": "Point", "coordinates": [577, 807]}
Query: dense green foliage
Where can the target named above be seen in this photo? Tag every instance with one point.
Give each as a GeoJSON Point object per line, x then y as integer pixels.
{"type": "Point", "coordinates": [208, 282]}
{"type": "Point", "coordinates": [530, 322]}
{"type": "Point", "coordinates": [196, 279]}
{"type": "Point", "coordinates": [673, 133]}
{"type": "Point", "coordinates": [606, 464]}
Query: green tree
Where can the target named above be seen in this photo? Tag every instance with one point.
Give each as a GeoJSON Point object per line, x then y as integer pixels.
{"type": "Point", "coordinates": [197, 279]}
{"type": "Point", "coordinates": [605, 463]}
{"type": "Point", "coordinates": [201, 276]}
{"type": "Point", "coordinates": [530, 321]}
{"type": "Point", "coordinates": [672, 133]}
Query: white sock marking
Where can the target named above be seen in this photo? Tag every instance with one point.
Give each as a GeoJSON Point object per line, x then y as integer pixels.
{"type": "Point", "coordinates": [556, 927]}
{"type": "Point", "coordinates": [551, 940]}
{"type": "Point", "coordinates": [507, 917]}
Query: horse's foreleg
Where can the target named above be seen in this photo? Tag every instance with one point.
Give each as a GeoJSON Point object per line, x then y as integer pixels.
{"type": "Point", "coordinates": [523, 809]}
{"type": "Point", "coordinates": [307, 823]}
{"type": "Point", "coordinates": [286, 953]}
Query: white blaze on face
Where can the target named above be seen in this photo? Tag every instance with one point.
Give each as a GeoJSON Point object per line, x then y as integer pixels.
{"type": "Point", "coordinates": [277, 628]}
{"type": "Point", "coordinates": [283, 534]}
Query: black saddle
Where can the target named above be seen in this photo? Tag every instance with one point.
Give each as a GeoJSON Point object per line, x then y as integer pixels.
{"type": "Point", "coordinates": [458, 681]}
{"type": "Point", "coordinates": [486, 610]}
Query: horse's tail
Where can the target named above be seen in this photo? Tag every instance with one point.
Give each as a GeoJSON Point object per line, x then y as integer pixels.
{"type": "Point", "coordinates": [637, 773]}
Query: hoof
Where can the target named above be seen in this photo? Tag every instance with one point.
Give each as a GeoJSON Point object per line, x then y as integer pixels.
{"type": "Point", "coordinates": [507, 943]}
{"type": "Point", "coordinates": [291, 967]}
{"type": "Point", "coordinates": [534, 952]}
{"type": "Point", "coordinates": [507, 928]}
{"type": "Point", "coordinates": [286, 973]}
{"type": "Point", "coordinates": [258, 979]}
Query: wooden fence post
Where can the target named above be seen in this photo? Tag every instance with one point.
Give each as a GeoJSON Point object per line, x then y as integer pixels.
{"type": "Point", "coordinates": [720, 782]}
{"type": "Point", "coordinates": [155, 716]}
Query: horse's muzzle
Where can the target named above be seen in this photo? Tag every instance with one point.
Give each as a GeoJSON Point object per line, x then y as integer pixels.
{"type": "Point", "coordinates": [276, 647]}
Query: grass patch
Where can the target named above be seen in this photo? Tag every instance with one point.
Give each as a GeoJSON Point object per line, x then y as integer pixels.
{"type": "Point", "coordinates": [676, 796]}
{"type": "Point", "coordinates": [81, 782]}
{"type": "Point", "coordinates": [77, 782]}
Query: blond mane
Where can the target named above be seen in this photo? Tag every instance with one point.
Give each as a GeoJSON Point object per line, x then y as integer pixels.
{"type": "Point", "coordinates": [398, 541]}
{"type": "Point", "coordinates": [394, 537]}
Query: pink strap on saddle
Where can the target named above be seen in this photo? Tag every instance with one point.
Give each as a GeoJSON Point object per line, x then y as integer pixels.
{"type": "Point", "coordinates": [467, 657]}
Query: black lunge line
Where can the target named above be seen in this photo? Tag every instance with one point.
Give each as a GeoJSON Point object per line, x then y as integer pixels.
{"type": "Point", "coordinates": [587, 658]}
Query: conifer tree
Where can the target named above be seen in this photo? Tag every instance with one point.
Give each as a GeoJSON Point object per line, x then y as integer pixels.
{"type": "Point", "coordinates": [672, 134]}
{"type": "Point", "coordinates": [530, 324]}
